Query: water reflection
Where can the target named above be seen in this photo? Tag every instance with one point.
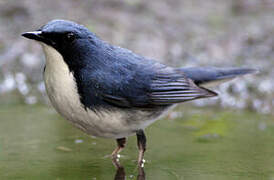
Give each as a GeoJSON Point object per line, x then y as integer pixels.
{"type": "Point", "coordinates": [121, 174]}
{"type": "Point", "coordinates": [243, 149]}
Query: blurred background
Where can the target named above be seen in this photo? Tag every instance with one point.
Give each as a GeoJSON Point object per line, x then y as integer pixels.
{"type": "Point", "coordinates": [234, 33]}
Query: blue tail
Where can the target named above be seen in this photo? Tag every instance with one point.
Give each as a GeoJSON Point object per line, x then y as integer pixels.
{"type": "Point", "coordinates": [208, 76]}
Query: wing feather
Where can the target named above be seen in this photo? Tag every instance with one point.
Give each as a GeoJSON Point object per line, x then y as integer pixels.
{"type": "Point", "coordinates": [163, 89]}
{"type": "Point", "coordinates": [175, 88]}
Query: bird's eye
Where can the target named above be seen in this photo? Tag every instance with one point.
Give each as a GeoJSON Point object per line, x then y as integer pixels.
{"type": "Point", "coordinates": [70, 37]}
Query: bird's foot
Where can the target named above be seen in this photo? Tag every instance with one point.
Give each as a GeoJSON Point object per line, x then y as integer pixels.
{"type": "Point", "coordinates": [116, 157]}
{"type": "Point", "coordinates": [112, 156]}
{"type": "Point", "coordinates": [115, 160]}
{"type": "Point", "coordinates": [141, 163]}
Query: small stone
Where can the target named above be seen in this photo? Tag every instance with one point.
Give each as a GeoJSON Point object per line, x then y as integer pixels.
{"type": "Point", "coordinates": [31, 100]}
{"type": "Point", "coordinates": [131, 176]}
{"type": "Point", "coordinates": [62, 148]}
{"type": "Point", "coordinates": [77, 141]}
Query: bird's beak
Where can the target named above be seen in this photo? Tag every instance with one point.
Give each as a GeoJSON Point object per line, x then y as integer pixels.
{"type": "Point", "coordinates": [35, 35]}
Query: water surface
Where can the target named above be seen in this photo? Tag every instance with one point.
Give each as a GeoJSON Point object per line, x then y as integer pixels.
{"type": "Point", "coordinates": [36, 143]}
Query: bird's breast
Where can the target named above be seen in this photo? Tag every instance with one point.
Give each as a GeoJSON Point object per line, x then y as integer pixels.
{"type": "Point", "coordinates": [61, 88]}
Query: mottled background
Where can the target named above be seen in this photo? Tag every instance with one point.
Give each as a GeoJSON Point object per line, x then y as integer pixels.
{"type": "Point", "coordinates": [176, 32]}
{"type": "Point", "coordinates": [211, 141]}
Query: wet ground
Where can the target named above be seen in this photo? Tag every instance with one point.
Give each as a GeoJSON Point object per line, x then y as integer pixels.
{"type": "Point", "coordinates": [36, 143]}
{"type": "Point", "coordinates": [223, 33]}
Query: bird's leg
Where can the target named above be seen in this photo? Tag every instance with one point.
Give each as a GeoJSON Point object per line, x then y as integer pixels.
{"type": "Point", "coordinates": [120, 145]}
{"type": "Point", "coordinates": [141, 143]}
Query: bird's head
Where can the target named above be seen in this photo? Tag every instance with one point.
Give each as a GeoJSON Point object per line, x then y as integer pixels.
{"type": "Point", "coordinates": [59, 34]}
{"type": "Point", "coordinates": [69, 39]}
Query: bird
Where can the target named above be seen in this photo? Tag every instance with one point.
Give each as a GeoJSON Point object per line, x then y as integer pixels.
{"type": "Point", "coordinates": [111, 92]}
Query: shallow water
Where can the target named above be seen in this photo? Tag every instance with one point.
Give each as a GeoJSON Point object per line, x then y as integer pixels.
{"type": "Point", "coordinates": [36, 143]}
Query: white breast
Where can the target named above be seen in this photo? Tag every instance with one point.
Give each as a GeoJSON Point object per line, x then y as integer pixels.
{"type": "Point", "coordinates": [62, 91]}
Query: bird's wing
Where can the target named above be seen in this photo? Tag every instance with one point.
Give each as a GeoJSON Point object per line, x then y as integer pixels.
{"type": "Point", "coordinates": [165, 88]}
{"type": "Point", "coordinates": [175, 87]}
